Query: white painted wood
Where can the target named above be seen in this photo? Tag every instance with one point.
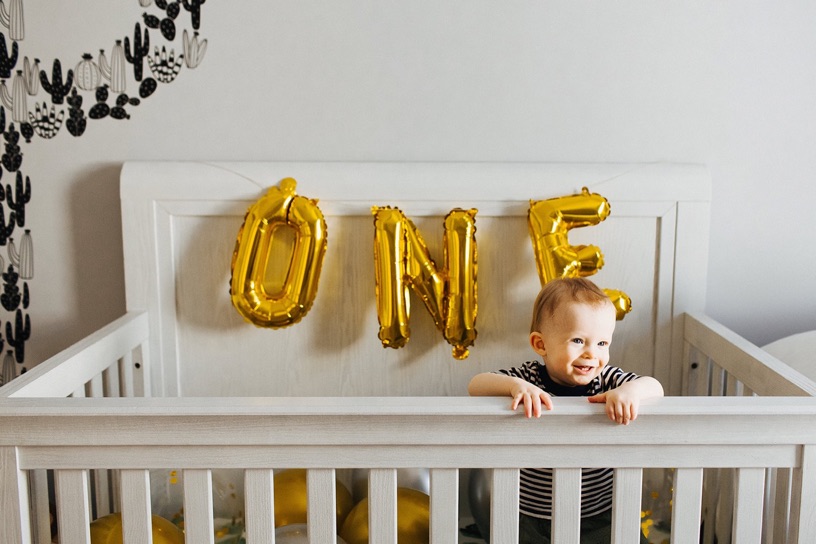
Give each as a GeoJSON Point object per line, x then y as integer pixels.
{"type": "Point", "coordinates": [686, 506]}
{"type": "Point", "coordinates": [626, 505]}
{"type": "Point", "coordinates": [321, 510]}
{"type": "Point", "coordinates": [68, 370]}
{"type": "Point", "coordinates": [444, 505]}
{"type": "Point", "coordinates": [504, 506]}
{"type": "Point", "coordinates": [102, 498]}
{"type": "Point", "coordinates": [125, 367]}
{"type": "Point", "coordinates": [73, 516]}
{"type": "Point", "coordinates": [259, 497]}
{"type": "Point", "coordinates": [777, 520]}
{"type": "Point", "coordinates": [198, 507]}
{"type": "Point", "coordinates": [178, 231]}
{"type": "Point", "coordinates": [15, 526]}
{"type": "Point", "coordinates": [382, 505]}
{"type": "Point", "coordinates": [803, 503]}
{"type": "Point", "coordinates": [40, 511]}
{"type": "Point", "coordinates": [757, 369]}
{"type": "Point", "coordinates": [566, 523]}
{"type": "Point", "coordinates": [136, 515]}
{"type": "Point", "coordinates": [179, 227]}
{"type": "Point", "coordinates": [748, 505]}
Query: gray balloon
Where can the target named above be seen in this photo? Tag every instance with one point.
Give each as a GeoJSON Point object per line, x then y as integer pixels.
{"type": "Point", "coordinates": [479, 490]}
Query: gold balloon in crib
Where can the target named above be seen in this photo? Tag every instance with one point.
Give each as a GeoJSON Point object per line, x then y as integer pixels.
{"type": "Point", "coordinates": [277, 259]}
{"type": "Point", "coordinates": [291, 498]}
{"type": "Point", "coordinates": [550, 220]}
{"type": "Point", "coordinates": [108, 530]}
{"type": "Point", "coordinates": [402, 263]}
{"type": "Point", "coordinates": [413, 519]}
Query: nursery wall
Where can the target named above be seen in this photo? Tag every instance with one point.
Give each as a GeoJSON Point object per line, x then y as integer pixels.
{"type": "Point", "coordinates": [729, 84]}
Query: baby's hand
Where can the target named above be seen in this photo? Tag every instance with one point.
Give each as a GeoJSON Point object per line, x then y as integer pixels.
{"type": "Point", "coordinates": [532, 397]}
{"type": "Point", "coordinates": [621, 407]}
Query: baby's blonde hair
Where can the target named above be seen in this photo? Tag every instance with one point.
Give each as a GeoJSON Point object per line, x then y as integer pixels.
{"type": "Point", "coordinates": [562, 290]}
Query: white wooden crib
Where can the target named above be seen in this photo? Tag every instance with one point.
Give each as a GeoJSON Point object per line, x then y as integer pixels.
{"type": "Point", "coordinates": [182, 382]}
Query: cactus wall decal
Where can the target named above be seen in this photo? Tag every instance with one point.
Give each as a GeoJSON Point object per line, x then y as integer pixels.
{"type": "Point", "coordinates": [90, 91]}
{"type": "Point", "coordinates": [141, 47]}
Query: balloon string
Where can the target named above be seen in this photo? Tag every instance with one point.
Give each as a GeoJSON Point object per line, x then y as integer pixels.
{"type": "Point", "coordinates": [238, 174]}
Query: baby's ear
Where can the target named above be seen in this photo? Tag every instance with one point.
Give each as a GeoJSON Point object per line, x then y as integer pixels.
{"type": "Point", "coordinates": [537, 343]}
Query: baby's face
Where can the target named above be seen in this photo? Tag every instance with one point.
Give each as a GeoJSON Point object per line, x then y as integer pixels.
{"type": "Point", "coordinates": [575, 342]}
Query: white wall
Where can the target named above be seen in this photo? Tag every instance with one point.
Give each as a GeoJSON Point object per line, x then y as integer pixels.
{"type": "Point", "coordinates": [731, 84]}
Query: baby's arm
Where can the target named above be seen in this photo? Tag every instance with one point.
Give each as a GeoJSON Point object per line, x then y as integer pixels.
{"type": "Point", "coordinates": [622, 403]}
{"type": "Point", "coordinates": [521, 391]}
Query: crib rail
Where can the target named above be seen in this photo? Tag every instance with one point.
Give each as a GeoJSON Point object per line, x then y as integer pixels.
{"type": "Point", "coordinates": [75, 436]}
{"type": "Point", "coordinates": [111, 362]}
{"type": "Point", "coordinates": [719, 362]}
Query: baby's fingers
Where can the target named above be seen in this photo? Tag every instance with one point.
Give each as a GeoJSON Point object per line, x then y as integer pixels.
{"type": "Point", "coordinates": [620, 413]}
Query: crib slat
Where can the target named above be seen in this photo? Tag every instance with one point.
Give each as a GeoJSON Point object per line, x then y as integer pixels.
{"type": "Point", "coordinates": [136, 515]}
{"type": "Point", "coordinates": [382, 505]}
{"type": "Point", "coordinates": [260, 506]}
{"type": "Point", "coordinates": [626, 505]}
{"type": "Point", "coordinates": [321, 510]}
{"type": "Point", "coordinates": [567, 505]}
{"type": "Point", "coordinates": [748, 505]}
{"type": "Point", "coordinates": [444, 505]}
{"type": "Point", "coordinates": [125, 367]}
{"type": "Point", "coordinates": [73, 516]}
{"type": "Point", "coordinates": [38, 480]}
{"type": "Point", "coordinates": [803, 498]}
{"type": "Point", "coordinates": [198, 506]}
{"type": "Point", "coordinates": [724, 510]}
{"type": "Point", "coordinates": [781, 505]}
{"type": "Point", "coordinates": [14, 496]}
{"type": "Point", "coordinates": [110, 378]}
{"type": "Point", "coordinates": [102, 492]}
{"type": "Point", "coordinates": [686, 504]}
{"type": "Point", "coordinates": [504, 500]}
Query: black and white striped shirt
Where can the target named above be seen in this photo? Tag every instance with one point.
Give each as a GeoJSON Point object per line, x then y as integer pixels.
{"type": "Point", "coordinates": [535, 495]}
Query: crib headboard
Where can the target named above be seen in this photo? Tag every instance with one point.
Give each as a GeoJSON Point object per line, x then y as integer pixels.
{"type": "Point", "coordinates": [180, 221]}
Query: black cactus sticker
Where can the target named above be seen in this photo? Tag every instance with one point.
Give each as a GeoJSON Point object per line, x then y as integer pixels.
{"type": "Point", "coordinates": [34, 102]}
{"type": "Point", "coordinates": [56, 87]}
{"type": "Point", "coordinates": [141, 47]}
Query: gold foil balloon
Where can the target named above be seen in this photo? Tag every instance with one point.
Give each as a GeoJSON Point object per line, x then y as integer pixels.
{"type": "Point", "coordinates": [277, 259]}
{"type": "Point", "coordinates": [550, 220]}
{"type": "Point", "coordinates": [108, 530]}
{"type": "Point", "coordinates": [413, 519]}
{"type": "Point", "coordinates": [402, 263]}
{"type": "Point", "coordinates": [409, 478]}
{"type": "Point", "coordinates": [291, 498]}
{"type": "Point", "coordinates": [621, 302]}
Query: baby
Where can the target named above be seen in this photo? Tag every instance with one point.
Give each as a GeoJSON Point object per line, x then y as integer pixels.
{"type": "Point", "coordinates": [573, 322]}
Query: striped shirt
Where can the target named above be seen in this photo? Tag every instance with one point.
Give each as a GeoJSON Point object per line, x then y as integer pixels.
{"type": "Point", "coordinates": [535, 494]}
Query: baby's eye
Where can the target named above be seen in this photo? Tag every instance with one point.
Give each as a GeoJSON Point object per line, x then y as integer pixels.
{"type": "Point", "coordinates": [603, 343]}
{"type": "Point", "coordinates": [577, 341]}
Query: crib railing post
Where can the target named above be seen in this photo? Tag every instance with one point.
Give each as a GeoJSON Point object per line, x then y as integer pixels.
{"type": "Point", "coordinates": [16, 526]}
{"type": "Point", "coordinates": [504, 511]}
{"type": "Point", "coordinates": [382, 505]}
{"type": "Point", "coordinates": [803, 498]}
{"type": "Point", "coordinates": [748, 506]}
{"type": "Point", "coordinates": [566, 505]}
{"type": "Point", "coordinates": [686, 505]}
{"type": "Point", "coordinates": [444, 505]}
{"type": "Point", "coordinates": [321, 511]}
{"type": "Point", "coordinates": [136, 505]}
{"type": "Point", "coordinates": [198, 506]}
{"type": "Point", "coordinates": [626, 504]}
{"type": "Point", "coordinates": [259, 498]}
{"type": "Point", "coordinates": [73, 515]}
